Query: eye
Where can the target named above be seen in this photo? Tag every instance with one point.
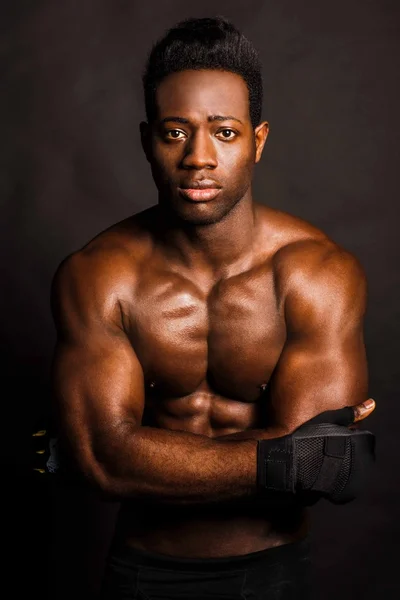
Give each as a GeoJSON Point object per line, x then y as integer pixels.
{"type": "Point", "coordinates": [175, 134]}
{"type": "Point", "coordinates": [227, 134]}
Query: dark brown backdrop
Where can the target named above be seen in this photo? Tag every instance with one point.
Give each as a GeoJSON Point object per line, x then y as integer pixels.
{"type": "Point", "coordinates": [71, 165]}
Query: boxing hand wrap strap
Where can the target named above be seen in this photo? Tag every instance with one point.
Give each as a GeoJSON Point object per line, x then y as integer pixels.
{"type": "Point", "coordinates": [361, 449]}
{"type": "Point", "coordinates": [275, 464]}
{"type": "Point", "coordinates": [334, 453]}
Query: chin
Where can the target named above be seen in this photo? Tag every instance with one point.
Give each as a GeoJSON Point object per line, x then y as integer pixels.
{"type": "Point", "coordinates": [199, 220]}
{"type": "Point", "coordinates": [202, 213]}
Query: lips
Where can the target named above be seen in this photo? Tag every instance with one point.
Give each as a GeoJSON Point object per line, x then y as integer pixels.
{"type": "Point", "coordinates": [201, 190]}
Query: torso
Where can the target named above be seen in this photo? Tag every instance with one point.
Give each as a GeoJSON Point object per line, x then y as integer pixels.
{"type": "Point", "coordinates": [208, 349]}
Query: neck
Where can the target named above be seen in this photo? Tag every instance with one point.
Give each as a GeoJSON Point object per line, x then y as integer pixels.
{"type": "Point", "coordinates": [216, 247]}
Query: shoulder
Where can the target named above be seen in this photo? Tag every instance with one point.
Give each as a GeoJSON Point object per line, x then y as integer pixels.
{"type": "Point", "coordinates": [314, 273]}
{"type": "Point", "coordinates": [317, 262]}
{"type": "Point", "coordinates": [325, 288]}
{"type": "Point", "coordinates": [110, 258]}
{"type": "Point", "coordinates": [92, 282]}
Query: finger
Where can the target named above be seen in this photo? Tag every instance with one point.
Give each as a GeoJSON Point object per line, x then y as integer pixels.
{"type": "Point", "coordinates": [363, 410]}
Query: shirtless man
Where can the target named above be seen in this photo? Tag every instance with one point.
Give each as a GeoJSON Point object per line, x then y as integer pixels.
{"type": "Point", "coordinates": [196, 328]}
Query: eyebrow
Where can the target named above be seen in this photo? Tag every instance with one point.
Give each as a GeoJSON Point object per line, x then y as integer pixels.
{"type": "Point", "coordinates": [210, 119]}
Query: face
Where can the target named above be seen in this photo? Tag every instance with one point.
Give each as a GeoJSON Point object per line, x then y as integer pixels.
{"type": "Point", "coordinates": [201, 146]}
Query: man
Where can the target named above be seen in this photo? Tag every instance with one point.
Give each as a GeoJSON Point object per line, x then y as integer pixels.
{"type": "Point", "coordinates": [196, 337]}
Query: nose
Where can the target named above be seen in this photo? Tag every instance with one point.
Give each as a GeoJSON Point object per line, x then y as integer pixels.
{"type": "Point", "coordinates": [200, 152]}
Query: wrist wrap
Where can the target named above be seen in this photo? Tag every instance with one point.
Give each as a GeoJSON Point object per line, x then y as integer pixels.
{"type": "Point", "coordinates": [322, 460]}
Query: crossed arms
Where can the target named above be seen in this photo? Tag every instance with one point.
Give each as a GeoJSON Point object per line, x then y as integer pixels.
{"type": "Point", "coordinates": [99, 383]}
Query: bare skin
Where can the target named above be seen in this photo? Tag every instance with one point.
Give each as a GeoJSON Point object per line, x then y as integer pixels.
{"type": "Point", "coordinates": [191, 330]}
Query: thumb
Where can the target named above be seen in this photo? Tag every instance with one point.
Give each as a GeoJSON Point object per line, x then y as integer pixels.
{"type": "Point", "coordinates": [363, 410]}
{"type": "Point", "coordinates": [345, 416]}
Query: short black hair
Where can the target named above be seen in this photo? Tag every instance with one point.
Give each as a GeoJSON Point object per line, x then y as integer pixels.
{"type": "Point", "coordinates": [206, 43]}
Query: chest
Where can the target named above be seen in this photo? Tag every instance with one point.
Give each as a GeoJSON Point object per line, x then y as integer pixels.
{"type": "Point", "coordinates": [229, 338]}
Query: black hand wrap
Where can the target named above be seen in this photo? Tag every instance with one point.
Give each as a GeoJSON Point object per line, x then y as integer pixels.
{"type": "Point", "coordinates": [317, 460]}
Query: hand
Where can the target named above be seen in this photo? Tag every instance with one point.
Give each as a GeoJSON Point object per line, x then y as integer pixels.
{"type": "Point", "coordinates": [321, 458]}
{"type": "Point", "coordinates": [45, 457]}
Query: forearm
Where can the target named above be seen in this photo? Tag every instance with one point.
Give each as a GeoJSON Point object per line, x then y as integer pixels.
{"type": "Point", "coordinates": [177, 467]}
{"type": "Point", "coordinates": [271, 432]}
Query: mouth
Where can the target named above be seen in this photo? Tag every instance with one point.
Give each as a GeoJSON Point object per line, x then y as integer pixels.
{"type": "Point", "coordinates": [200, 190]}
{"type": "Point", "coordinates": [199, 195]}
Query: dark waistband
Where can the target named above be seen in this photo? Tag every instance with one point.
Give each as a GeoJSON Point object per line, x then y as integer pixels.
{"type": "Point", "coordinates": [278, 554]}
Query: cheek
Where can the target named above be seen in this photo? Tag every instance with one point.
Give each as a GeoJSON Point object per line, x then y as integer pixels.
{"type": "Point", "coordinates": [159, 155]}
{"type": "Point", "coordinates": [237, 163]}
{"type": "Point", "coordinates": [240, 153]}
{"type": "Point", "coordinates": [163, 159]}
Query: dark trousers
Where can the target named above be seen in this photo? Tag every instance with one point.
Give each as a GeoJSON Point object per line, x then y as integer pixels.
{"type": "Point", "coordinates": [281, 573]}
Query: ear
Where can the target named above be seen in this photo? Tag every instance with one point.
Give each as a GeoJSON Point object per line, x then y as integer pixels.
{"type": "Point", "coordinates": [145, 139]}
{"type": "Point", "coordinates": [261, 134]}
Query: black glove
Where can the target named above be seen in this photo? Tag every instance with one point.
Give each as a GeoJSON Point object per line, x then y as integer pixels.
{"type": "Point", "coordinates": [322, 458]}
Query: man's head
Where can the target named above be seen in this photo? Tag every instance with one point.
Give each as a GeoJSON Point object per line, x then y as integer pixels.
{"type": "Point", "coordinates": [203, 98]}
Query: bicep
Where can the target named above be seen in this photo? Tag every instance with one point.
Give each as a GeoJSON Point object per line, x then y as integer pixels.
{"type": "Point", "coordinates": [97, 379]}
{"type": "Point", "coordinates": [99, 384]}
{"type": "Point", "coordinates": [312, 377]}
{"type": "Point", "coordinates": [323, 364]}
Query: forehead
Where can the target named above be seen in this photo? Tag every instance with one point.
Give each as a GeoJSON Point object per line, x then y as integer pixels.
{"type": "Point", "coordinates": [199, 93]}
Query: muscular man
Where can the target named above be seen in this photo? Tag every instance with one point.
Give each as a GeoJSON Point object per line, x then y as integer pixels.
{"type": "Point", "coordinates": [194, 329]}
